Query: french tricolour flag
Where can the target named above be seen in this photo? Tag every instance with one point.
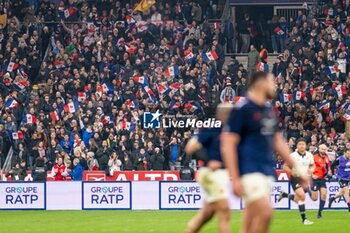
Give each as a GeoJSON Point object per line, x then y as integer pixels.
{"type": "Point", "coordinates": [210, 56]}
{"type": "Point", "coordinates": [127, 125]}
{"type": "Point", "coordinates": [175, 86]}
{"type": "Point", "coordinates": [132, 104]}
{"type": "Point", "coordinates": [346, 105]}
{"type": "Point", "coordinates": [81, 96]}
{"type": "Point", "coordinates": [71, 107]}
{"type": "Point", "coordinates": [216, 25]}
{"type": "Point", "coordinates": [176, 105]}
{"type": "Point", "coordinates": [22, 73]}
{"type": "Point", "coordinates": [261, 66]}
{"type": "Point", "coordinates": [54, 116]}
{"type": "Point", "coordinates": [11, 103]}
{"type": "Point", "coordinates": [141, 79]}
{"type": "Point", "coordinates": [30, 119]}
{"type": "Point", "coordinates": [189, 56]}
{"type": "Point", "coordinates": [298, 95]}
{"type": "Point", "coordinates": [58, 64]}
{"type": "Point", "coordinates": [69, 12]}
{"type": "Point", "coordinates": [337, 91]}
{"type": "Point", "coordinates": [190, 107]}
{"type": "Point", "coordinates": [285, 98]}
{"type": "Point", "coordinates": [150, 94]}
{"type": "Point", "coordinates": [162, 89]}
{"type": "Point", "coordinates": [332, 70]}
{"type": "Point", "coordinates": [12, 66]}
{"type": "Point", "coordinates": [105, 87]}
{"type": "Point", "coordinates": [171, 71]}
{"type": "Point", "coordinates": [346, 116]}
{"type": "Point", "coordinates": [130, 20]}
{"type": "Point", "coordinates": [278, 31]}
{"type": "Point", "coordinates": [325, 106]}
{"type": "Point", "coordinates": [21, 85]}
{"type": "Point", "coordinates": [17, 135]}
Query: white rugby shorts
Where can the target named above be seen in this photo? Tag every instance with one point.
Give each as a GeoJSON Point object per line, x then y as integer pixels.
{"type": "Point", "coordinates": [214, 184]}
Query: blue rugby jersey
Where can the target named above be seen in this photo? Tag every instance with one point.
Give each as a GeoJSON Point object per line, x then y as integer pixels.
{"type": "Point", "coordinates": [257, 126]}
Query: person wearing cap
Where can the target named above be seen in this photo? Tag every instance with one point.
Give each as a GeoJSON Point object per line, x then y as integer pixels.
{"type": "Point", "coordinates": [227, 94]}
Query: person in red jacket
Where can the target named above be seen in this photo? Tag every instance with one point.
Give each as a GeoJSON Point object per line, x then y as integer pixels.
{"type": "Point", "coordinates": [59, 171]}
{"type": "Point", "coordinates": [319, 177]}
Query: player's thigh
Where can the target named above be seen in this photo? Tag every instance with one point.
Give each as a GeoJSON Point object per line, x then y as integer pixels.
{"type": "Point", "coordinates": [214, 184]}
{"type": "Point", "coordinates": [256, 186]}
{"type": "Point", "coordinates": [300, 194]}
{"type": "Point", "coordinates": [222, 209]}
{"type": "Point", "coordinates": [207, 211]}
{"type": "Point", "coordinates": [316, 185]}
{"type": "Point", "coordinates": [261, 208]}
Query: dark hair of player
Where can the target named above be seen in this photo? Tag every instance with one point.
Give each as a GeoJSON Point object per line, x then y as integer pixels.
{"type": "Point", "coordinates": [255, 77]}
{"type": "Point", "coordinates": [301, 140]}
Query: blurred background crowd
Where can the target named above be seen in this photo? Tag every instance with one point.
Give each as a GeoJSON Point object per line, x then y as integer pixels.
{"type": "Point", "coordinates": [76, 77]}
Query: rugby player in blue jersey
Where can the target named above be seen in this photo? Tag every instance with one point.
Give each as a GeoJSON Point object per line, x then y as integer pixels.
{"type": "Point", "coordinates": [213, 178]}
{"type": "Point", "coordinates": [343, 173]}
{"type": "Point", "coordinates": [248, 143]}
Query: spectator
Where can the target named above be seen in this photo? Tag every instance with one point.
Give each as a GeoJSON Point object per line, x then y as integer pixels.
{"type": "Point", "coordinates": [243, 31]}
{"type": "Point", "coordinates": [253, 59]}
{"type": "Point", "coordinates": [18, 172]}
{"type": "Point", "coordinates": [157, 160]}
{"type": "Point", "coordinates": [175, 149]}
{"type": "Point", "coordinates": [21, 154]}
{"type": "Point", "coordinates": [114, 163]}
{"type": "Point", "coordinates": [128, 163]}
{"type": "Point", "coordinates": [186, 172]}
{"type": "Point", "coordinates": [77, 172]}
{"type": "Point", "coordinates": [40, 170]}
{"type": "Point", "coordinates": [88, 88]}
{"type": "Point", "coordinates": [92, 162]}
{"type": "Point", "coordinates": [102, 155]}
{"type": "Point", "coordinates": [59, 171]}
{"type": "Point", "coordinates": [142, 160]}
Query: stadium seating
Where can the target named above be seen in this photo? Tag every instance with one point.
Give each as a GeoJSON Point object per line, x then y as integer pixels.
{"type": "Point", "coordinates": [76, 78]}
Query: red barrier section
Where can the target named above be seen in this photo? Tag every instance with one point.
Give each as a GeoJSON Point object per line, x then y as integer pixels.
{"type": "Point", "coordinates": [132, 175]}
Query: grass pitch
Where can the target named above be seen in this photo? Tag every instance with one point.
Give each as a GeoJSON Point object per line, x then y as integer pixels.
{"type": "Point", "coordinates": [334, 221]}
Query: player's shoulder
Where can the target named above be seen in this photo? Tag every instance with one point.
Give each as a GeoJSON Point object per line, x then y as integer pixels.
{"type": "Point", "coordinates": [210, 130]}
{"type": "Point", "coordinates": [309, 154]}
{"type": "Point", "coordinates": [294, 154]}
{"type": "Point", "coordinates": [241, 104]}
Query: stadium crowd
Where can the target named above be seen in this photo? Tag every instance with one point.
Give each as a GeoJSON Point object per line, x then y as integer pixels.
{"type": "Point", "coordinates": [83, 100]}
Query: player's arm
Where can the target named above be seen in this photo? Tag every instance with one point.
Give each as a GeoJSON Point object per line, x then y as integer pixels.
{"type": "Point", "coordinates": [312, 166]}
{"type": "Point", "coordinates": [287, 168]}
{"type": "Point", "coordinates": [229, 143]}
{"type": "Point", "coordinates": [283, 150]}
{"type": "Point", "coordinates": [334, 164]}
{"type": "Point", "coordinates": [230, 139]}
{"type": "Point", "coordinates": [192, 146]}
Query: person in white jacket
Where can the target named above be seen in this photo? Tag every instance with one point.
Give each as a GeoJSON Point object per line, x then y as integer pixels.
{"type": "Point", "coordinates": [114, 163]}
